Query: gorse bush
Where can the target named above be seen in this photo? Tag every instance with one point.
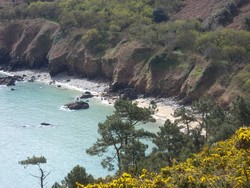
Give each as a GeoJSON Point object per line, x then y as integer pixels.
{"type": "Point", "coordinates": [224, 164]}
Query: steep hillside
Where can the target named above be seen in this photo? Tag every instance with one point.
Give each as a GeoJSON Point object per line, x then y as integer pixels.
{"type": "Point", "coordinates": [152, 51]}
{"type": "Point", "coordinates": [199, 9]}
{"type": "Point", "coordinates": [215, 13]}
{"type": "Point", "coordinates": [239, 20]}
{"type": "Point", "coordinates": [224, 164]}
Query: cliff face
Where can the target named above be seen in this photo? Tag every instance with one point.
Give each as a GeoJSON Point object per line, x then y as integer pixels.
{"type": "Point", "coordinates": [26, 43]}
{"type": "Point", "coordinates": [154, 71]}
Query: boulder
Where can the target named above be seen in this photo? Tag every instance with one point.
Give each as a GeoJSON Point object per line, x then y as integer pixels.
{"type": "Point", "coordinates": [8, 81]}
{"type": "Point", "coordinates": [45, 124]}
{"type": "Point", "coordinates": [77, 105]}
{"type": "Point", "coordinates": [32, 79]}
{"type": "Point", "coordinates": [52, 82]}
{"type": "Point", "coordinates": [128, 94]}
{"type": "Point", "coordinates": [87, 95]}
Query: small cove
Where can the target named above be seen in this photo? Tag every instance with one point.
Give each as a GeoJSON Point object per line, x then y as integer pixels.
{"type": "Point", "coordinates": [63, 144]}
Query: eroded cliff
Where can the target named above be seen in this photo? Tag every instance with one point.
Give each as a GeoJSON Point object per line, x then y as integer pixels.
{"type": "Point", "coordinates": [151, 70]}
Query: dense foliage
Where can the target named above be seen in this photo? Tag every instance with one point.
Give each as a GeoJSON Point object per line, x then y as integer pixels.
{"type": "Point", "coordinates": [223, 164]}
{"type": "Point", "coordinates": [77, 174]}
{"type": "Point", "coordinates": [103, 23]}
{"type": "Point", "coordinates": [119, 134]}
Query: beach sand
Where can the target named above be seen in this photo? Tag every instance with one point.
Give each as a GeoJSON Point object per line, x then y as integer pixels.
{"type": "Point", "coordinates": [163, 111]}
{"type": "Point", "coordinates": [165, 107]}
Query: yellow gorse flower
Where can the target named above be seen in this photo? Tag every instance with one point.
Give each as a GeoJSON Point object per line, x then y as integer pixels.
{"type": "Point", "coordinates": [226, 162]}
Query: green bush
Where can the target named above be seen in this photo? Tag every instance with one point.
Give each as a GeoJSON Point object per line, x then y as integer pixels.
{"type": "Point", "coordinates": [247, 23]}
{"type": "Point", "coordinates": [77, 174]}
{"type": "Point", "coordinates": [224, 44]}
{"type": "Point", "coordinates": [47, 10]}
{"type": "Point", "coordinates": [7, 13]}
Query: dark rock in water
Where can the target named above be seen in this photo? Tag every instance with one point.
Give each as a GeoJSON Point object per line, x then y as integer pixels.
{"type": "Point", "coordinates": [12, 89]}
{"type": "Point", "coordinates": [8, 81]}
{"type": "Point", "coordinates": [52, 82]}
{"type": "Point", "coordinates": [67, 80]}
{"type": "Point", "coordinates": [77, 105]}
{"type": "Point", "coordinates": [58, 86]}
{"type": "Point", "coordinates": [18, 78]}
{"type": "Point", "coordinates": [86, 95]}
{"type": "Point", "coordinates": [45, 124]}
{"type": "Point", "coordinates": [128, 93]}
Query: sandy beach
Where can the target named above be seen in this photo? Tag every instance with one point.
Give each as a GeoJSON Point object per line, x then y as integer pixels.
{"type": "Point", "coordinates": [165, 107]}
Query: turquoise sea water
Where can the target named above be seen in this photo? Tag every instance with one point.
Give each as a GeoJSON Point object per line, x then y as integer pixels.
{"type": "Point", "coordinates": [63, 144]}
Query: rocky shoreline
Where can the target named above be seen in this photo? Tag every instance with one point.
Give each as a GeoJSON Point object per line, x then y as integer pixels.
{"type": "Point", "coordinates": [165, 107]}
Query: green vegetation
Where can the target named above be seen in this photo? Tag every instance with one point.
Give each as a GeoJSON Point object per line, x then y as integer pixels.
{"type": "Point", "coordinates": [229, 45]}
{"type": "Point", "coordinates": [201, 125]}
{"type": "Point", "coordinates": [103, 24]}
{"type": "Point", "coordinates": [224, 164]}
{"type": "Point", "coordinates": [199, 129]}
{"type": "Point", "coordinates": [244, 79]}
{"type": "Point", "coordinates": [247, 23]}
{"type": "Point", "coordinates": [77, 174]}
{"type": "Point", "coordinates": [189, 152]}
{"type": "Point", "coordinates": [100, 25]}
{"type": "Point", "coordinates": [37, 161]}
{"type": "Point", "coordinates": [119, 133]}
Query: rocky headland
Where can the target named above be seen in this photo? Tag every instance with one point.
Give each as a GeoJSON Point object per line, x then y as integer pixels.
{"type": "Point", "coordinates": [37, 43]}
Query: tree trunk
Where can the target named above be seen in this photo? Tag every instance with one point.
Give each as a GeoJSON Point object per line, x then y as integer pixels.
{"type": "Point", "coordinates": [42, 176]}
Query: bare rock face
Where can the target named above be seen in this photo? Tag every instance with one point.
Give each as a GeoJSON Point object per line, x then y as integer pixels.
{"type": "Point", "coordinates": [26, 43]}
{"type": "Point", "coordinates": [92, 67]}
{"type": "Point", "coordinates": [57, 57]}
{"type": "Point", "coordinates": [122, 62]}
{"type": "Point", "coordinates": [77, 105]}
{"type": "Point", "coordinates": [107, 66]}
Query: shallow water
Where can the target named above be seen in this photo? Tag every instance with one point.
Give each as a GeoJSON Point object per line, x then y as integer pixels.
{"type": "Point", "coordinates": [63, 144]}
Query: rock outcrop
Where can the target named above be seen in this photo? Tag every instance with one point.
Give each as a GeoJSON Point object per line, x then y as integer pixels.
{"type": "Point", "coordinates": [26, 43]}
{"type": "Point", "coordinates": [148, 70]}
{"type": "Point", "coordinates": [77, 105]}
{"type": "Point", "coordinates": [86, 95]}
{"type": "Point", "coordinates": [9, 80]}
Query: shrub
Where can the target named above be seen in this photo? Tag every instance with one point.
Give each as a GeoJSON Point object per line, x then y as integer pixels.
{"type": "Point", "coordinates": [224, 164]}
{"type": "Point", "coordinates": [159, 15]}
{"type": "Point", "coordinates": [77, 174]}
{"type": "Point", "coordinates": [247, 23]}
{"type": "Point", "coordinates": [47, 10]}
{"type": "Point", "coordinates": [228, 44]}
